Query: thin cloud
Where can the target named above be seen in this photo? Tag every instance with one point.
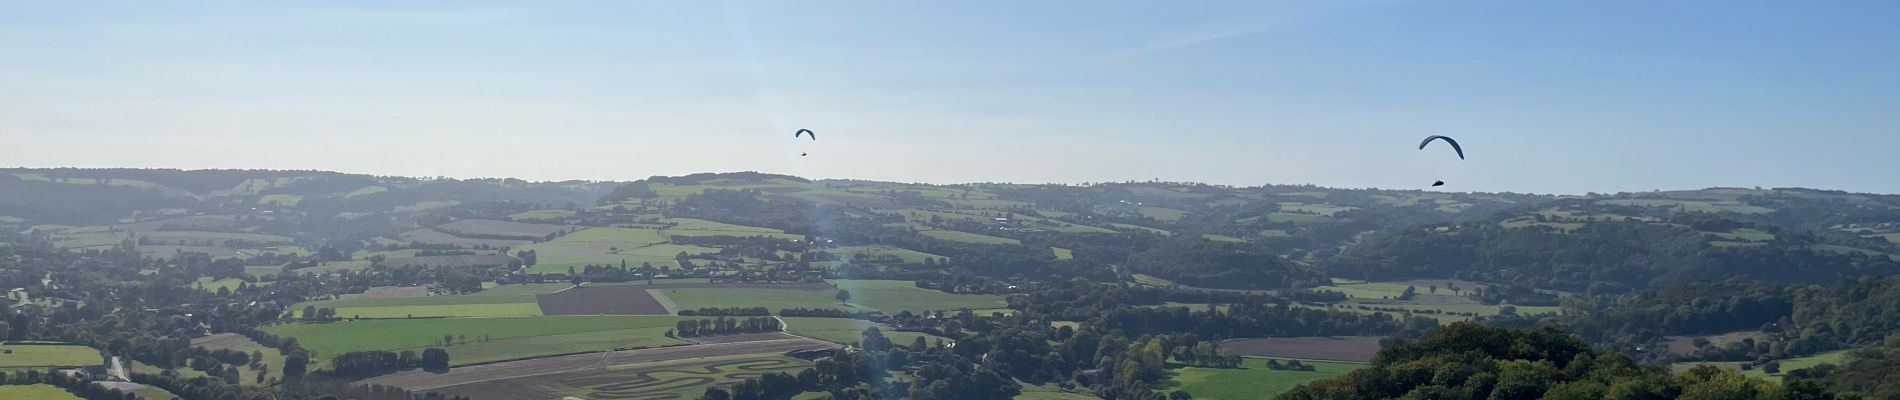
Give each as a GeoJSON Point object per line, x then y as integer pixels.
{"type": "Point", "coordinates": [433, 17]}
{"type": "Point", "coordinates": [1188, 41]}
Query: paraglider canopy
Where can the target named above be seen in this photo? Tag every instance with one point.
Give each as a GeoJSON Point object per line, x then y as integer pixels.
{"type": "Point", "coordinates": [1453, 143]}
{"type": "Point", "coordinates": [805, 132]}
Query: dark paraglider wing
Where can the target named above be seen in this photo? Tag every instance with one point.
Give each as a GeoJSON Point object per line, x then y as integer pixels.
{"type": "Point", "coordinates": [805, 132]}
{"type": "Point", "coordinates": [1453, 143]}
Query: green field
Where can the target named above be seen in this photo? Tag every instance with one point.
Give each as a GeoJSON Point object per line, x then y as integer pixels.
{"type": "Point", "coordinates": [1744, 234]}
{"type": "Point", "coordinates": [1386, 294]}
{"type": "Point", "coordinates": [1163, 214]}
{"type": "Point", "coordinates": [1222, 238]}
{"type": "Point", "coordinates": [966, 237]}
{"type": "Point", "coordinates": [482, 304]}
{"type": "Point", "coordinates": [1253, 380]}
{"type": "Point", "coordinates": [287, 200]}
{"type": "Point", "coordinates": [1518, 223]}
{"type": "Point", "coordinates": [366, 190]}
{"type": "Point", "coordinates": [211, 285]}
{"type": "Point", "coordinates": [1891, 237]}
{"type": "Point", "coordinates": [217, 238]}
{"type": "Point", "coordinates": [47, 356]}
{"type": "Point", "coordinates": [168, 190]}
{"type": "Point", "coordinates": [1135, 228]}
{"type": "Point", "coordinates": [35, 392]}
{"type": "Point", "coordinates": [693, 224]}
{"type": "Point", "coordinates": [866, 295]}
{"type": "Point", "coordinates": [510, 337]}
{"type": "Point", "coordinates": [1314, 208]}
{"type": "Point", "coordinates": [1691, 205]}
{"type": "Point", "coordinates": [1290, 217]}
{"type": "Point", "coordinates": [334, 266]}
{"type": "Point", "coordinates": [541, 215]}
{"type": "Point", "coordinates": [425, 206]}
{"type": "Point", "coordinates": [608, 246]}
{"type": "Point", "coordinates": [80, 240]}
{"type": "Point", "coordinates": [1837, 357]}
{"type": "Point", "coordinates": [894, 296]}
{"type": "Point", "coordinates": [1152, 280]}
{"type": "Point", "coordinates": [848, 331]}
{"type": "Point", "coordinates": [154, 393]}
{"type": "Point", "coordinates": [1052, 392]}
{"type": "Point", "coordinates": [1062, 253]}
{"type": "Point", "coordinates": [527, 289]}
{"type": "Point", "coordinates": [262, 271]}
{"type": "Point", "coordinates": [236, 342]}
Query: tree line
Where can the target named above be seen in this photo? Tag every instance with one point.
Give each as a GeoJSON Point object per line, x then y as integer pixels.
{"type": "Point", "coordinates": [723, 326]}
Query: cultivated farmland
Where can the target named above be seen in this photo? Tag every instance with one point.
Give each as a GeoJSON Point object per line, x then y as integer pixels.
{"type": "Point", "coordinates": [661, 373]}
{"type": "Point", "coordinates": [602, 300]}
{"type": "Point", "coordinates": [848, 331]}
{"type": "Point", "coordinates": [1253, 380]}
{"type": "Point", "coordinates": [431, 236]}
{"type": "Point", "coordinates": [476, 305]}
{"type": "Point", "coordinates": [506, 229]}
{"type": "Point", "coordinates": [450, 261]}
{"type": "Point", "coordinates": [967, 237]}
{"type": "Point", "coordinates": [506, 338]}
{"type": "Point", "coordinates": [866, 295]}
{"type": "Point", "coordinates": [1338, 348]}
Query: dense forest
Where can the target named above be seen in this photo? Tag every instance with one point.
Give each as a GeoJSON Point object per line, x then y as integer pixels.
{"type": "Point", "coordinates": [1468, 361]}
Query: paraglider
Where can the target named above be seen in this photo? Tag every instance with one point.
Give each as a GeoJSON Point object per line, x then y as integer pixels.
{"type": "Point", "coordinates": [802, 133]}
{"type": "Point", "coordinates": [1453, 143]}
{"type": "Point", "coordinates": [1454, 147]}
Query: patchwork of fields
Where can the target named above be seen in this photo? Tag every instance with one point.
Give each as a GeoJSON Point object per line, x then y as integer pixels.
{"type": "Point", "coordinates": [1252, 380]}
{"type": "Point", "coordinates": [239, 343]}
{"type": "Point", "coordinates": [484, 339]}
{"type": "Point", "coordinates": [866, 295]}
{"type": "Point", "coordinates": [1341, 348]}
{"type": "Point", "coordinates": [36, 355]}
{"type": "Point", "coordinates": [662, 373]}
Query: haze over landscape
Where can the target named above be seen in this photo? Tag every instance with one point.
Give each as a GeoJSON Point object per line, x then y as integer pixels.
{"type": "Point", "coordinates": [1553, 97]}
{"type": "Point", "coordinates": [985, 200]}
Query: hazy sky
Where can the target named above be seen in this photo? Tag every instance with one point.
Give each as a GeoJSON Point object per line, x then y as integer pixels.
{"type": "Point", "coordinates": [1547, 96]}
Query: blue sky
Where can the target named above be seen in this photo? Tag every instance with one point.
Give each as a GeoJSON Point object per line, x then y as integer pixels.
{"type": "Point", "coordinates": [1546, 96]}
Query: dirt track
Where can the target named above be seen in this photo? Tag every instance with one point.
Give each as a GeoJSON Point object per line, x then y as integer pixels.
{"type": "Point", "coordinates": [524, 369]}
{"type": "Point", "coordinates": [1335, 348]}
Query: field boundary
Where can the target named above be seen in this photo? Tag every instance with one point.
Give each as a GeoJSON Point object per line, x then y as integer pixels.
{"type": "Point", "coordinates": [1308, 359]}
{"type": "Point", "coordinates": [543, 366]}
{"type": "Point", "coordinates": [665, 302]}
{"type": "Point", "coordinates": [572, 353]}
